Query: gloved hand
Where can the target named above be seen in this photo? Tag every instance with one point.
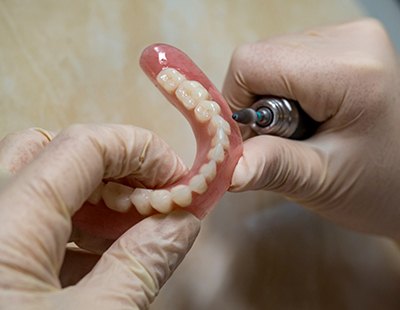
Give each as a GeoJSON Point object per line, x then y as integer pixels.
{"type": "Point", "coordinates": [36, 205]}
{"type": "Point", "coordinates": [348, 78]}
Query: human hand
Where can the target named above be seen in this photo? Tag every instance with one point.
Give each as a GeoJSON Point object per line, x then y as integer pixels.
{"type": "Point", "coordinates": [347, 77]}
{"type": "Point", "coordinates": [37, 202]}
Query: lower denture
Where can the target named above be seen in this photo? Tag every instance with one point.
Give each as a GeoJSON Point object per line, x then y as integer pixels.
{"type": "Point", "coordinates": [219, 146]}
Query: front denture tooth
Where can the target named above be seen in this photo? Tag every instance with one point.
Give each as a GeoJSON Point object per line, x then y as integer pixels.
{"type": "Point", "coordinates": [198, 184]}
{"type": "Point", "coordinates": [220, 137]}
{"type": "Point", "coordinates": [206, 109]}
{"type": "Point", "coordinates": [169, 79]}
{"type": "Point", "coordinates": [209, 170]}
{"type": "Point", "coordinates": [95, 197]}
{"type": "Point", "coordinates": [141, 200]}
{"type": "Point", "coordinates": [116, 196]}
{"type": "Point", "coordinates": [190, 93]}
{"type": "Point", "coordinates": [181, 195]}
{"type": "Point", "coordinates": [161, 200]}
{"type": "Point", "coordinates": [216, 153]}
{"type": "Point", "coordinates": [216, 122]}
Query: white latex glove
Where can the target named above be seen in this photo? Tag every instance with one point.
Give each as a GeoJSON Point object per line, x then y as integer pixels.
{"type": "Point", "coordinates": [347, 77]}
{"type": "Point", "coordinates": [36, 205]}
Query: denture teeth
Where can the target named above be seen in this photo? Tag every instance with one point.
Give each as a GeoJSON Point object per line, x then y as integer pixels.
{"type": "Point", "coordinates": [198, 184]}
{"type": "Point", "coordinates": [205, 110]}
{"type": "Point", "coordinates": [116, 196]}
{"type": "Point", "coordinates": [169, 79]}
{"type": "Point", "coordinates": [141, 199]}
{"type": "Point", "coordinates": [218, 122]}
{"type": "Point", "coordinates": [216, 153]}
{"type": "Point", "coordinates": [193, 96]}
{"type": "Point", "coordinates": [220, 137]}
{"type": "Point", "coordinates": [161, 200]}
{"type": "Point", "coordinates": [209, 170]}
{"type": "Point", "coordinates": [95, 197]}
{"type": "Point", "coordinates": [190, 93]}
{"type": "Point", "coordinates": [181, 195]}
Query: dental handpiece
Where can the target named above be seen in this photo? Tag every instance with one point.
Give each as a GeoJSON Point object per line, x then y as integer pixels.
{"type": "Point", "coordinates": [277, 116]}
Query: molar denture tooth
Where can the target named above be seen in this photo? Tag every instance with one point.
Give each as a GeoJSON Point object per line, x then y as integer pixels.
{"type": "Point", "coordinates": [220, 137]}
{"type": "Point", "coordinates": [190, 93]}
{"type": "Point", "coordinates": [206, 109]}
{"type": "Point", "coordinates": [95, 197]}
{"type": "Point", "coordinates": [161, 200]}
{"type": "Point", "coordinates": [216, 153]}
{"type": "Point", "coordinates": [141, 199]}
{"type": "Point", "coordinates": [218, 122]}
{"type": "Point", "coordinates": [209, 170]}
{"type": "Point", "coordinates": [181, 195]}
{"type": "Point", "coordinates": [198, 184]}
{"type": "Point", "coordinates": [169, 79]}
{"type": "Point", "coordinates": [116, 196]}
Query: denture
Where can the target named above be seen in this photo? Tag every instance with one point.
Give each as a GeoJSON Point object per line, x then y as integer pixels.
{"type": "Point", "coordinates": [113, 208]}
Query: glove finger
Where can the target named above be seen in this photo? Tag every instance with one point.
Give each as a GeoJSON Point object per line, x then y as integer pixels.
{"type": "Point", "coordinates": [19, 148]}
{"type": "Point", "coordinates": [139, 262]}
{"type": "Point", "coordinates": [276, 69]}
{"type": "Point", "coordinates": [37, 205]}
{"type": "Point", "coordinates": [295, 169]}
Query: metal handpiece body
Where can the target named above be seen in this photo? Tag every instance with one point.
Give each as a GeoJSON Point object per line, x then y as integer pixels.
{"type": "Point", "coordinates": [277, 116]}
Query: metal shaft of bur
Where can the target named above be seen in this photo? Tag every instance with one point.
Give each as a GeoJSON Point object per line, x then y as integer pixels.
{"type": "Point", "coordinates": [245, 116]}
